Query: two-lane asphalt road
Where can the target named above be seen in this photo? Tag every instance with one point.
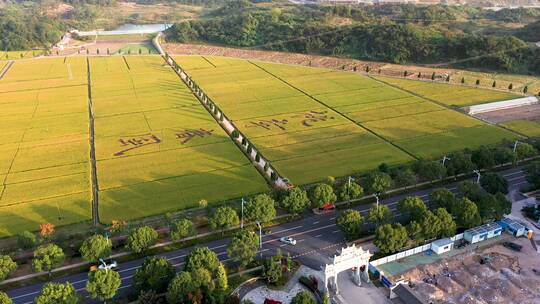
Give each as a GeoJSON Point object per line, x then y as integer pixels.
{"type": "Point", "coordinates": [318, 239]}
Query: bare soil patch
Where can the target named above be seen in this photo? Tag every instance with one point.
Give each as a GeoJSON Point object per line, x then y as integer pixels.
{"type": "Point", "coordinates": [490, 275]}
{"type": "Point", "coordinates": [530, 112]}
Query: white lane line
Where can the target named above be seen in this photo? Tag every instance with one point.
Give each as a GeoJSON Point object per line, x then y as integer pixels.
{"type": "Point", "coordinates": [336, 231]}
{"type": "Point", "coordinates": [333, 218]}
{"type": "Point", "coordinates": [316, 222]}
{"type": "Point", "coordinates": [293, 228]}
{"type": "Point", "coordinates": [282, 245]}
{"type": "Point", "coordinates": [318, 235]}
{"type": "Point", "coordinates": [515, 178]}
{"type": "Point", "coordinates": [221, 246]}
{"type": "Point", "coordinates": [522, 183]}
{"type": "Point", "coordinates": [513, 173]}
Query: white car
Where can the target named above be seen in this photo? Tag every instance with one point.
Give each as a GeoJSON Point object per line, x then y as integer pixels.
{"type": "Point", "coordinates": [107, 265]}
{"type": "Point", "coordinates": [288, 240]}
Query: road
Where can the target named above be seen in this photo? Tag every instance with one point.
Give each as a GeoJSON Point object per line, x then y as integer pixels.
{"type": "Point", "coordinates": [318, 240]}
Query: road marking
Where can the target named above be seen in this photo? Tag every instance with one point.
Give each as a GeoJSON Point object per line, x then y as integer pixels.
{"type": "Point", "coordinates": [333, 218]}
{"type": "Point", "coordinates": [513, 173]}
{"type": "Point", "coordinates": [286, 230]}
{"type": "Point", "coordinates": [515, 178]}
{"type": "Point", "coordinates": [315, 223]}
{"type": "Point", "coordinates": [336, 231]}
{"type": "Point", "coordinates": [300, 240]}
{"type": "Point", "coordinates": [218, 246]}
{"type": "Point", "coordinates": [318, 235]}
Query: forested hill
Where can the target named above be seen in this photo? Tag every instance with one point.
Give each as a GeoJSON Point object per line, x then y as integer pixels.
{"type": "Point", "coordinates": [397, 34]}
{"type": "Point", "coordinates": [26, 28]}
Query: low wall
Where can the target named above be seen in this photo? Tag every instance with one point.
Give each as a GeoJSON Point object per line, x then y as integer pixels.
{"type": "Point", "coordinates": [501, 105]}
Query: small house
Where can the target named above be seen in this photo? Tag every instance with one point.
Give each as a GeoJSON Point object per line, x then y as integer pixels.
{"type": "Point", "coordinates": [482, 233]}
{"type": "Point", "coordinates": [512, 226]}
{"type": "Point", "coordinates": [442, 245]}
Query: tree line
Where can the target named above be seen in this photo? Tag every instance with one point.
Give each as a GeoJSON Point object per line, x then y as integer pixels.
{"type": "Point", "coordinates": [372, 37]}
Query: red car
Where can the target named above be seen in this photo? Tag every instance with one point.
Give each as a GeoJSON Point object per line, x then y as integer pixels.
{"type": "Point", "coordinates": [270, 301]}
{"type": "Point", "coordinates": [327, 206]}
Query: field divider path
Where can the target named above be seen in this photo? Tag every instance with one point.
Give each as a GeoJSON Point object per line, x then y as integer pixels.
{"type": "Point", "coordinates": [262, 165]}
{"type": "Point", "coordinates": [333, 109]}
{"type": "Point", "coordinates": [6, 68]}
{"type": "Point", "coordinates": [442, 104]}
{"type": "Point", "coordinates": [91, 140]}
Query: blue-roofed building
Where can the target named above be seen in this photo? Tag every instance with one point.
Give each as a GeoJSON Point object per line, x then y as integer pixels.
{"type": "Point", "coordinates": [482, 233]}
{"type": "Point", "coordinates": [512, 226]}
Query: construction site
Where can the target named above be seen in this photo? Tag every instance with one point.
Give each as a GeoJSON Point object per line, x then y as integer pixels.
{"type": "Point", "coordinates": [505, 270]}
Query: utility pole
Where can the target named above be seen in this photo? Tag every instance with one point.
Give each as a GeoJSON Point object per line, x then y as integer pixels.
{"type": "Point", "coordinates": [260, 237]}
{"type": "Point", "coordinates": [478, 176]}
{"type": "Point", "coordinates": [242, 222]}
{"type": "Point", "coordinates": [516, 143]}
{"type": "Point", "coordinates": [376, 195]}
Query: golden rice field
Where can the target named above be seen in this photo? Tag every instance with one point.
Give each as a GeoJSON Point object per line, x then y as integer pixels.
{"type": "Point", "coordinates": [44, 152]}
{"type": "Point", "coordinates": [313, 122]}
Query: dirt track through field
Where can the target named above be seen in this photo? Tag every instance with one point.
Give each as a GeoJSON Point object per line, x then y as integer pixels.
{"type": "Point", "coordinates": [6, 69]}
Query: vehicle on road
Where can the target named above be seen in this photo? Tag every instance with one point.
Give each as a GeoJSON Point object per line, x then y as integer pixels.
{"type": "Point", "coordinates": [107, 264]}
{"type": "Point", "coordinates": [327, 207]}
{"type": "Point", "coordinates": [288, 240]}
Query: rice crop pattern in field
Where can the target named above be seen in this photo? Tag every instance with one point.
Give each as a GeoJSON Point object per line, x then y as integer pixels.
{"type": "Point", "coordinates": [305, 140]}
{"type": "Point", "coordinates": [451, 95]}
{"type": "Point", "coordinates": [44, 154]}
{"type": "Point", "coordinates": [157, 148]}
{"type": "Point", "coordinates": [529, 128]}
{"type": "Point", "coordinates": [413, 123]}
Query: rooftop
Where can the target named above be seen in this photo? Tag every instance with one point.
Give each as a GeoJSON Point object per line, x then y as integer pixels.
{"type": "Point", "coordinates": [484, 228]}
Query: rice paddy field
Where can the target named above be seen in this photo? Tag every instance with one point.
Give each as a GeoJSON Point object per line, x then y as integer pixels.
{"type": "Point", "coordinates": [44, 152]}
{"type": "Point", "coordinates": [157, 148]}
{"type": "Point", "coordinates": [530, 128]}
{"type": "Point", "coordinates": [312, 123]}
{"type": "Point", "coordinates": [450, 95]}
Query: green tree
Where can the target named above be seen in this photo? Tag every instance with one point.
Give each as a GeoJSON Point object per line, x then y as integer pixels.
{"type": "Point", "coordinates": [459, 163]}
{"type": "Point", "coordinates": [470, 190]}
{"type": "Point", "coordinates": [448, 226]}
{"type": "Point", "coordinates": [322, 194]}
{"type": "Point", "coordinates": [203, 278]}
{"type": "Point", "coordinates": [222, 282]}
{"type": "Point", "coordinates": [503, 155]}
{"type": "Point", "coordinates": [272, 269]}
{"type": "Point", "coordinates": [414, 206]}
{"type": "Point", "coordinates": [350, 191]}
{"type": "Point", "coordinates": [141, 239]}
{"type": "Point", "coordinates": [4, 298]}
{"type": "Point", "coordinates": [295, 201]}
{"type": "Point", "coordinates": [201, 257]}
{"type": "Point", "coordinates": [149, 297]}
{"type": "Point", "coordinates": [260, 208]}
{"type": "Point", "coordinates": [26, 240]}
{"type": "Point", "coordinates": [181, 288]}
{"type": "Point", "coordinates": [7, 266]}
{"type": "Point", "coordinates": [182, 228]}
{"type": "Point", "coordinates": [223, 218]}
{"type": "Point", "coordinates": [466, 214]}
{"type": "Point", "coordinates": [430, 225]}
{"type": "Point", "coordinates": [442, 198]}
{"type": "Point", "coordinates": [95, 247]}
{"type": "Point", "coordinates": [103, 284]}
{"type": "Point", "coordinates": [414, 229]}
{"type": "Point", "coordinates": [391, 238]}
{"type": "Point", "coordinates": [380, 215]}
{"type": "Point", "coordinates": [351, 223]}
{"type": "Point", "coordinates": [57, 293]}
{"type": "Point", "coordinates": [403, 177]}
{"type": "Point", "coordinates": [525, 150]}
{"type": "Point", "coordinates": [378, 182]}
{"type": "Point", "coordinates": [47, 257]}
{"type": "Point", "coordinates": [493, 183]}
{"type": "Point", "coordinates": [154, 274]}
{"type": "Point", "coordinates": [243, 247]}
{"type": "Point", "coordinates": [303, 297]}
{"type": "Point", "coordinates": [533, 174]}
{"type": "Point", "coordinates": [483, 157]}
{"type": "Point", "coordinates": [430, 170]}
{"type": "Point", "coordinates": [493, 207]}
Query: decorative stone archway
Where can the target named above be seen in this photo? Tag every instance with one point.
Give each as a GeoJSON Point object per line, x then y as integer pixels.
{"type": "Point", "coordinates": [350, 257]}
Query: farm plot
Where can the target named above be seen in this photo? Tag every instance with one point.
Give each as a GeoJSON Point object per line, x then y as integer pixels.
{"type": "Point", "coordinates": [157, 148]}
{"type": "Point", "coordinates": [451, 95]}
{"type": "Point", "coordinates": [44, 154]}
{"type": "Point", "coordinates": [305, 140]}
{"type": "Point", "coordinates": [412, 123]}
{"type": "Point", "coordinates": [529, 128]}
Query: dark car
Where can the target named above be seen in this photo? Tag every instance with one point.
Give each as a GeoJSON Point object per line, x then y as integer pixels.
{"type": "Point", "coordinates": [512, 246]}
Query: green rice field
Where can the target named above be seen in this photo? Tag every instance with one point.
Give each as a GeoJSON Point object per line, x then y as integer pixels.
{"type": "Point", "coordinates": [451, 95]}
{"type": "Point", "coordinates": [313, 122]}
{"type": "Point", "coordinates": [44, 151]}
{"type": "Point", "coordinates": [530, 128]}
{"type": "Point", "coordinates": [157, 148]}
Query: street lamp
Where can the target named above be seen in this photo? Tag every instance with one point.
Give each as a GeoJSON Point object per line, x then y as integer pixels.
{"type": "Point", "coordinates": [516, 143]}
{"type": "Point", "coordinates": [260, 237]}
{"type": "Point", "coordinates": [376, 195]}
{"type": "Point", "coordinates": [242, 221]}
{"type": "Point", "coordinates": [445, 158]}
{"type": "Point", "coordinates": [478, 176]}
